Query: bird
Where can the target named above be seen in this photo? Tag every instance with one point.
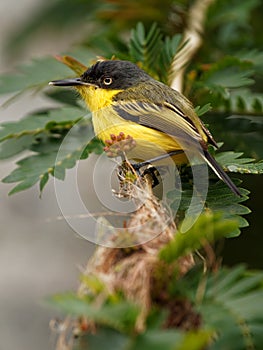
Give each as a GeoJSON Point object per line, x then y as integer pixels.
{"type": "Point", "coordinates": [123, 98]}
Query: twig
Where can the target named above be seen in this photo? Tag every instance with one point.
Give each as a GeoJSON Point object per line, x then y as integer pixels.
{"type": "Point", "coordinates": [192, 38]}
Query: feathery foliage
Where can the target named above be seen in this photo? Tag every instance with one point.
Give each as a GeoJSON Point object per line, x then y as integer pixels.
{"type": "Point", "coordinates": [154, 53]}
{"type": "Point", "coordinates": [43, 134]}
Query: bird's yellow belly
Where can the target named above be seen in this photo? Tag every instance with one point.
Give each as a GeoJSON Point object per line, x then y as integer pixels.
{"type": "Point", "coordinates": [149, 142]}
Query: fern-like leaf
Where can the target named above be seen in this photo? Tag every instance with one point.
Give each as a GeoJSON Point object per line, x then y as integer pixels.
{"type": "Point", "coordinates": [33, 75]}
{"type": "Point", "coordinates": [48, 158]}
{"type": "Point", "coordinates": [154, 53]}
{"type": "Point", "coordinates": [208, 228]}
{"type": "Point", "coordinates": [233, 162]}
{"type": "Point", "coordinates": [230, 72]}
{"type": "Point", "coordinates": [171, 47]}
{"type": "Point", "coordinates": [120, 316]}
{"type": "Point", "coordinates": [219, 198]}
{"type": "Point", "coordinates": [145, 47]}
{"type": "Point", "coordinates": [230, 305]}
{"type": "Point", "coordinates": [228, 301]}
{"type": "Point", "coordinates": [37, 123]}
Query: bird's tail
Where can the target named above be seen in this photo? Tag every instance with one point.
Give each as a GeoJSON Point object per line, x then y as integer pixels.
{"type": "Point", "coordinates": [221, 173]}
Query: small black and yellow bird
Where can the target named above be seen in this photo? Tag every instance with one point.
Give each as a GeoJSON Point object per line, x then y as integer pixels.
{"type": "Point", "coordinates": [124, 98]}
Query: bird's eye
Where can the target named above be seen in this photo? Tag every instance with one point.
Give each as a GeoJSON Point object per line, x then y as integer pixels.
{"type": "Point", "coordinates": [107, 81]}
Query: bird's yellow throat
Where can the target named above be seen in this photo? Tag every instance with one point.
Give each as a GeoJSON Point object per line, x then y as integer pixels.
{"type": "Point", "coordinates": [96, 98]}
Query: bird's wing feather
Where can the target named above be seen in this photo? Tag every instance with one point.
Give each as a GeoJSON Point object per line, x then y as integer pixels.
{"type": "Point", "coordinates": [159, 117]}
{"type": "Point", "coordinates": [181, 110]}
{"type": "Point", "coordinates": [202, 127]}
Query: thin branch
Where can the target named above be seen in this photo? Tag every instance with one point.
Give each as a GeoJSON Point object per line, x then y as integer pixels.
{"type": "Point", "coordinates": [193, 38]}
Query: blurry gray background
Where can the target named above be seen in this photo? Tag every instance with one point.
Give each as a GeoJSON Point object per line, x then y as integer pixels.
{"type": "Point", "coordinates": [37, 259]}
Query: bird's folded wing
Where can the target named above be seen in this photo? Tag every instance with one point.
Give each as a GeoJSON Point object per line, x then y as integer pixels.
{"type": "Point", "coordinates": [159, 117]}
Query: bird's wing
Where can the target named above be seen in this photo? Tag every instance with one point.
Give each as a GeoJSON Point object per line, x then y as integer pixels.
{"type": "Point", "coordinates": [177, 110]}
{"type": "Point", "coordinates": [172, 122]}
{"type": "Point", "coordinates": [162, 117]}
{"type": "Point", "coordinates": [181, 110]}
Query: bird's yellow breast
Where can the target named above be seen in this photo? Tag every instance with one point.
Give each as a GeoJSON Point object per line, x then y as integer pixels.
{"type": "Point", "coordinates": [106, 121]}
{"type": "Point", "coordinates": [149, 142]}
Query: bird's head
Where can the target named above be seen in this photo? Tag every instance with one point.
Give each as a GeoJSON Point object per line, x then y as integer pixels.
{"type": "Point", "coordinates": [103, 80]}
{"type": "Point", "coordinates": [115, 74]}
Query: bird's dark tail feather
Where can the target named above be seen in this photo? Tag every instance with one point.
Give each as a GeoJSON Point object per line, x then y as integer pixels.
{"type": "Point", "coordinates": [221, 173]}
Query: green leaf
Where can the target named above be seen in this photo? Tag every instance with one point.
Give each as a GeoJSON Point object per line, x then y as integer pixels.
{"type": "Point", "coordinates": [227, 81]}
{"type": "Point", "coordinates": [171, 340]}
{"type": "Point", "coordinates": [208, 228]}
{"type": "Point", "coordinates": [37, 123]}
{"type": "Point", "coordinates": [155, 340]}
{"type": "Point", "coordinates": [225, 12]}
{"type": "Point", "coordinates": [105, 338]}
{"type": "Point", "coordinates": [11, 147]}
{"type": "Point", "coordinates": [195, 340]}
{"type": "Point", "coordinates": [28, 182]}
{"type": "Point", "coordinates": [232, 162]}
{"type": "Point", "coordinates": [120, 316]}
{"type": "Point", "coordinates": [244, 100]}
{"type": "Point", "coordinates": [235, 101]}
{"type": "Point", "coordinates": [67, 97]}
{"type": "Point", "coordinates": [231, 306]}
{"type": "Point", "coordinates": [43, 181]}
{"type": "Point", "coordinates": [254, 56]}
{"type": "Point", "coordinates": [51, 158]}
{"type": "Point", "coordinates": [30, 170]}
{"type": "Point", "coordinates": [230, 72]}
{"type": "Point", "coordinates": [202, 110]}
{"type": "Point", "coordinates": [33, 75]}
{"type": "Point", "coordinates": [151, 339]}
{"type": "Point", "coordinates": [31, 125]}
{"type": "Point", "coordinates": [170, 48]}
{"type": "Point", "coordinates": [219, 198]}
{"type": "Point", "coordinates": [145, 48]}
{"type": "Point", "coordinates": [23, 134]}
{"type": "Point", "coordinates": [227, 301]}
{"type": "Point", "coordinates": [154, 53]}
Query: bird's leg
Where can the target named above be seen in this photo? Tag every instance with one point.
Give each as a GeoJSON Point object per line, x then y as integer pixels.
{"type": "Point", "coordinates": [138, 166]}
{"type": "Point", "coordinates": [153, 171]}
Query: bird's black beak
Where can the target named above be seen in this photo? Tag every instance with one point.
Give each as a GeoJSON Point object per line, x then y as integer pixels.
{"type": "Point", "coordinates": [71, 82]}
